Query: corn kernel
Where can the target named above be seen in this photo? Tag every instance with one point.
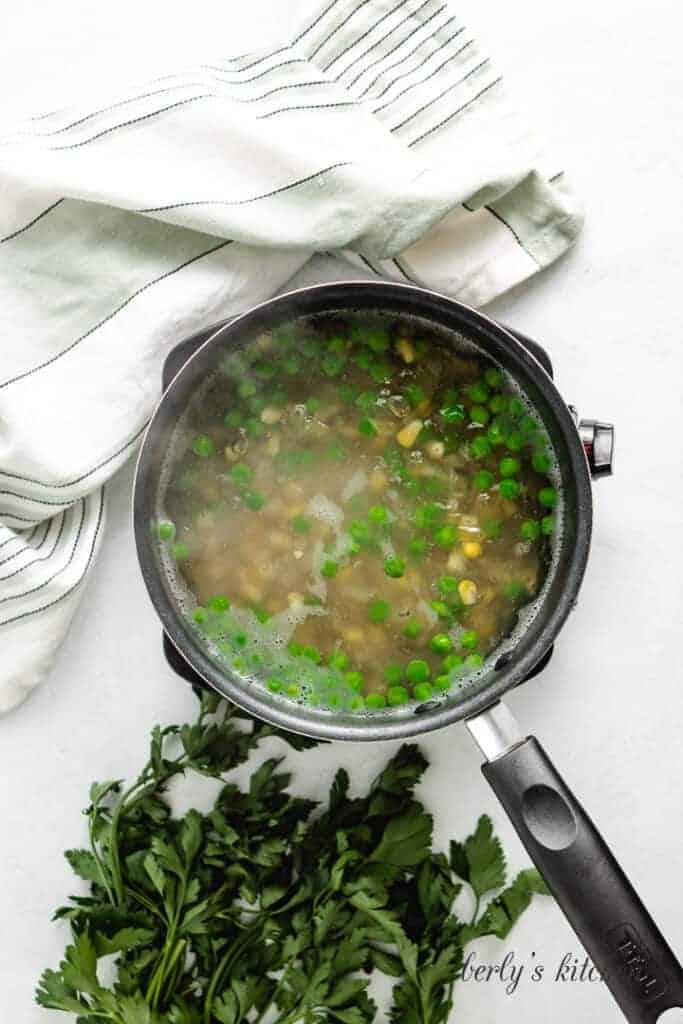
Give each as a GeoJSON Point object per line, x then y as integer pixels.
{"type": "Point", "coordinates": [271, 415]}
{"type": "Point", "coordinates": [405, 350]}
{"type": "Point", "coordinates": [471, 549]}
{"type": "Point", "coordinates": [468, 591]}
{"type": "Point", "coordinates": [378, 481]}
{"type": "Point", "coordinates": [435, 449]}
{"type": "Point", "coordinates": [408, 435]}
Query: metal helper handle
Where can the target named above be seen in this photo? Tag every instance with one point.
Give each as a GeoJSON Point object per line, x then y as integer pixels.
{"type": "Point", "coordinates": [593, 892]}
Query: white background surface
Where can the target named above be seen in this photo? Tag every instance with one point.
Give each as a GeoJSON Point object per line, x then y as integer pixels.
{"type": "Point", "coordinates": [604, 84]}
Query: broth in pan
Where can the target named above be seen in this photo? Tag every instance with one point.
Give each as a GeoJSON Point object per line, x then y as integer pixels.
{"type": "Point", "coordinates": [357, 513]}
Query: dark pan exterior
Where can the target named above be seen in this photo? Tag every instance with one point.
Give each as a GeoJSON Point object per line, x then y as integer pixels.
{"type": "Point", "coordinates": [515, 662]}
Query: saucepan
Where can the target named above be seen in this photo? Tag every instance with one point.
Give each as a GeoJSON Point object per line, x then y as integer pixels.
{"type": "Point", "coordinates": [618, 933]}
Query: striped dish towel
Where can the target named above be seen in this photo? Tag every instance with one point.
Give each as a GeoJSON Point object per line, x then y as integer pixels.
{"type": "Point", "coordinates": [380, 132]}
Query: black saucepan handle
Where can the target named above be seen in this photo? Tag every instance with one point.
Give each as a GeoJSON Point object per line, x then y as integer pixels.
{"type": "Point", "coordinates": [600, 903]}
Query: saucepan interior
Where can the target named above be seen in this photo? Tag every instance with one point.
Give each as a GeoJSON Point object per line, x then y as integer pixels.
{"type": "Point", "coordinates": [516, 656]}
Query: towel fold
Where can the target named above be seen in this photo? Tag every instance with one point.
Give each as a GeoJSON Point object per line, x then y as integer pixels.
{"type": "Point", "coordinates": [380, 132]}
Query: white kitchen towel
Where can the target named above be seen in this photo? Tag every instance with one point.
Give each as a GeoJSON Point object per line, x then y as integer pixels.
{"type": "Point", "coordinates": [381, 132]}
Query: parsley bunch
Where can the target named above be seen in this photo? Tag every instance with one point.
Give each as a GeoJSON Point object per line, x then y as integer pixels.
{"type": "Point", "coordinates": [267, 908]}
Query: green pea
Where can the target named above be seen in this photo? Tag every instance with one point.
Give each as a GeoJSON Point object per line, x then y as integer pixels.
{"type": "Point", "coordinates": [261, 614]}
{"type": "Point", "coordinates": [333, 363]}
{"type": "Point", "coordinates": [393, 674]}
{"type": "Point", "coordinates": [516, 406]}
{"type": "Point", "coordinates": [427, 516]}
{"type": "Point", "coordinates": [394, 567]}
{"type": "Point", "coordinates": [514, 590]}
{"type": "Point", "coordinates": [417, 547]}
{"type": "Point", "coordinates": [274, 685]}
{"type": "Point", "coordinates": [348, 393]}
{"type": "Point", "coordinates": [480, 447]}
{"type": "Point", "coordinates": [291, 363]}
{"type": "Point", "coordinates": [363, 359]}
{"type": "Point", "coordinates": [375, 701]}
{"type": "Point", "coordinates": [312, 653]}
{"type": "Point", "coordinates": [478, 392]}
{"type": "Point", "coordinates": [441, 609]}
{"type": "Point", "coordinates": [354, 680]}
{"type": "Point", "coordinates": [336, 451]}
{"type": "Point", "coordinates": [483, 480]}
{"type": "Point", "coordinates": [492, 528]}
{"type": "Point", "coordinates": [453, 412]}
{"type": "Point", "coordinates": [547, 496]}
{"type": "Point", "coordinates": [301, 524]}
{"type": "Point", "coordinates": [448, 584]}
{"type": "Point", "coordinates": [509, 466]}
{"type": "Point", "coordinates": [366, 427]}
{"type": "Point", "coordinates": [414, 394]}
{"type": "Point", "coordinates": [509, 489]}
{"type": "Point", "coordinates": [254, 500]}
{"type": "Point", "coordinates": [233, 418]}
{"type": "Point", "coordinates": [380, 371]}
{"type": "Point", "coordinates": [469, 639]}
{"type": "Point", "coordinates": [441, 643]}
{"type": "Point", "coordinates": [377, 339]}
{"type": "Point", "coordinates": [200, 615]}
{"type": "Point", "coordinates": [293, 690]}
{"type": "Point", "coordinates": [337, 344]}
{"type": "Point", "coordinates": [367, 400]}
{"type": "Point", "coordinates": [218, 604]}
{"type": "Point", "coordinates": [255, 428]}
{"type": "Point", "coordinates": [356, 703]}
{"type": "Point", "coordinates": [541, 462]}
{"type": "Point", "coordinates": [379, 611]}
{"type": "Point", "coordinates": [446, 536]}
{"type": "Point", "coordinates": [514, 441]}
{"type": "Point", "coordinates": [498, 404]}
{"type": "Point", "coordinates": [337, 659]}
{"type": "Point", "coordinates": [312, 405]}
{"type": "Point", "coordinates": [360, 531]}
{"type": "Point", "coordinates": [474, 660]}
{"type": "Point", "coordinates": [412, 629]}
{"type": "Point", "coordinates": [240, 638]}
{"type": "Point", "coordinates": [257, 404]}
{"type": "Point", "coordinates": [442, 683]}
{"type": "Point", "coordinates": [246, 388]}
{"type": "Point", "coordinates": [529, 530]}
{"type": "Point", "coordinates": [451, 662]}
{"type": "Point", "coordinates": [295, 648]}
{"type": "Point", "coordinates": [240, 473]}
{"type": "Point", "coordinates": [493, 377]}
{"type": "Point", "coordinates": [203, 446]}
{"type": "Point", "coordinates": [528, 425]}
{"type": "Point", "coordinates": [479, 415]}
{"type": "Point", "coordinates": [165, 529]}
{"type": "Point", "coordinates": [422, 691]}
{"type": "Point", "coordinates": [329, 569]}
{"type": "Point", "coordinates": [496, 434]}
{"type": "Point", "coordinates": [547, 525]}
{"type": "Point", "coordinates": [379, 514]}
{"type": "Point", "coordinates": [417, 671]}
{"type": "Point", "coordinates": [180, 551]}
{"type": "Point", "coordinates": [397, 695]}
{"type": "Point", "coordinates": [265, 370]}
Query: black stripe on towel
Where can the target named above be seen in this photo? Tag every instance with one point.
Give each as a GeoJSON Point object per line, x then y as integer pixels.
{"type": "Point", "coordinates": [58, 355]}
{"type": "Point", "coordinates": [35, 611]}
{"type": "Point", "coordinates": [30, 224]}
{"type": "Point", "coordinates": [252, 199]}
